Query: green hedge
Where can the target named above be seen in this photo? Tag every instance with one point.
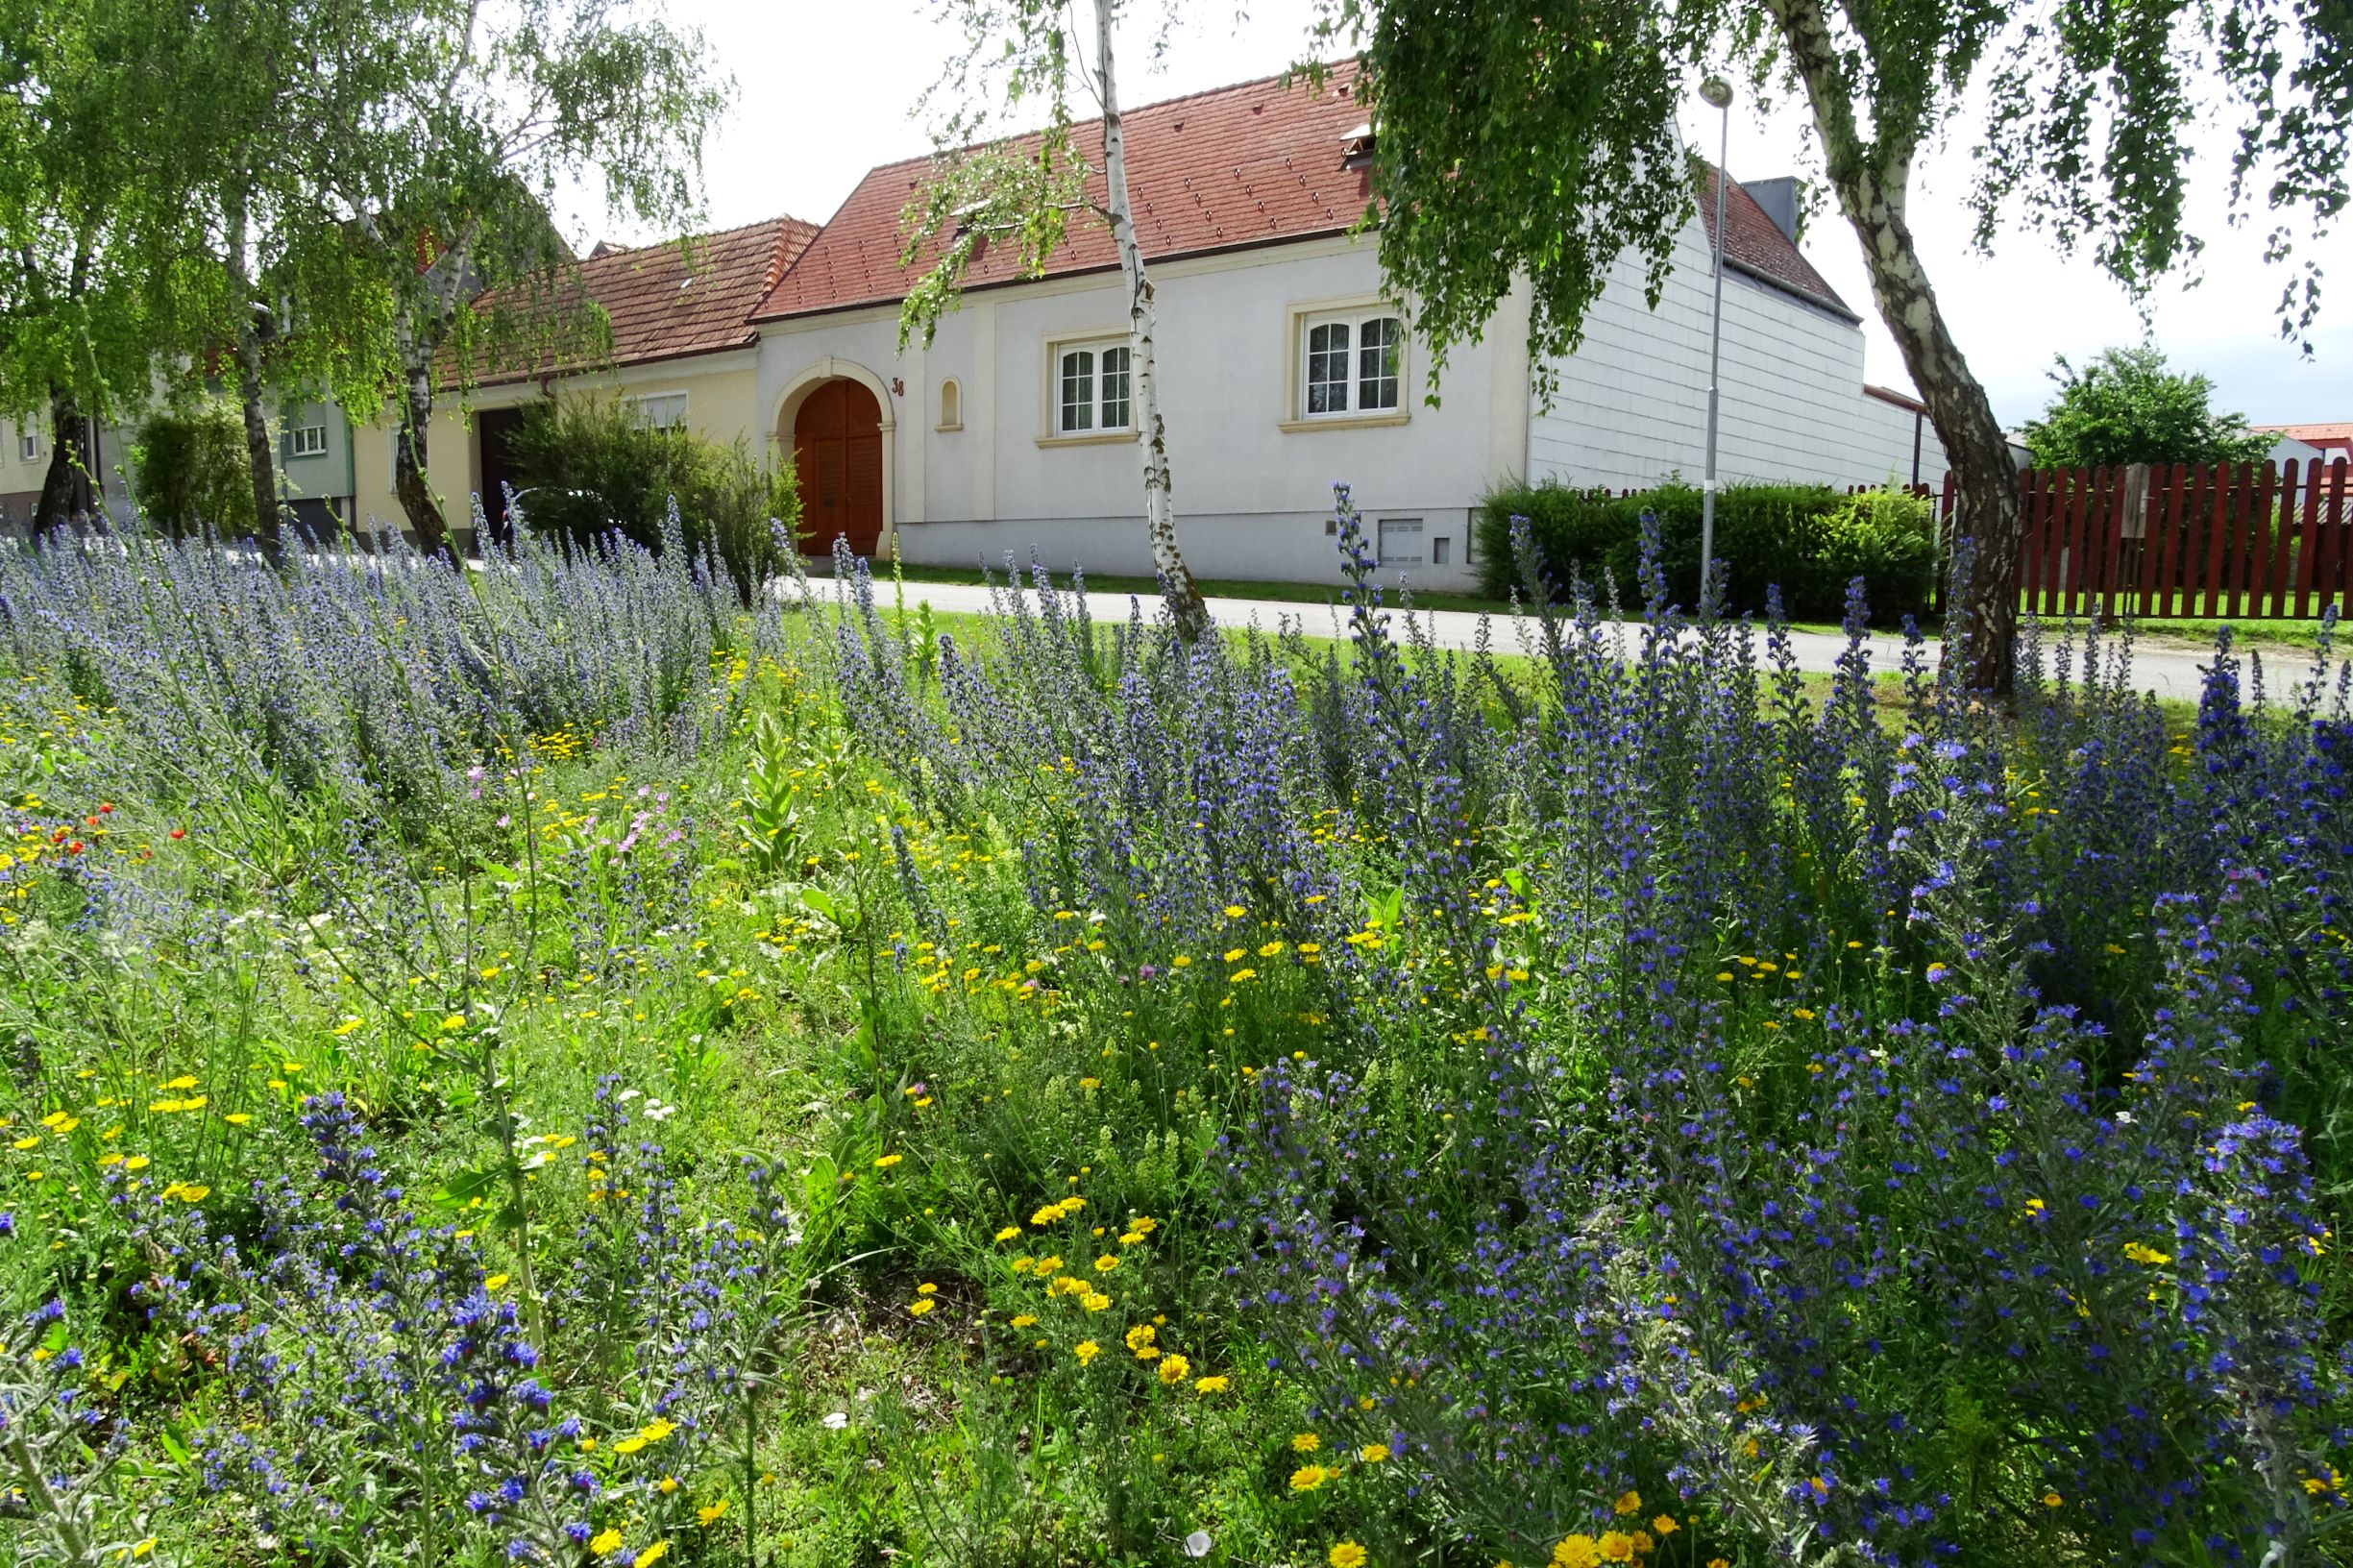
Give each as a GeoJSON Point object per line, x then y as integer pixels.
{"type": "Point", "coordinates": [591, 468]}
{"type": "Point", "coordinates": [1807, 538]}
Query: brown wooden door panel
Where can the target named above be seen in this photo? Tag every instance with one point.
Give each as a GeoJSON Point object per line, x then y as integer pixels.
{"type": "Point", "coordinates": [836, 454]}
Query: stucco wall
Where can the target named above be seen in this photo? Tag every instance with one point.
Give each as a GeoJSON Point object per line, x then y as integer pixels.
{"type": "Point", "coordinates": [20, 477]}
{"type": "Point", "coordinates": [1251, 496]}
{"type": "Point", "coordinates": [325, 475]}
{"type": "Point", "coordinates": [719, 405]}
{"type": "Point", "coordinates": [1631, 408]}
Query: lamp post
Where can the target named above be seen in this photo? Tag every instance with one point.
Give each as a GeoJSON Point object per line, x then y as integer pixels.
{"type": "Point", "coordinates": [1717, 93]}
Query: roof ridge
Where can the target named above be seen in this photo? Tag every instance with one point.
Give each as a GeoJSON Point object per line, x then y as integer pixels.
{"type": "Point", "coordinates": [675, 240]}
{"type": "Point", "coordinates": [1274, 77]}
{"type": "Point", "coordinates": [857, 249]}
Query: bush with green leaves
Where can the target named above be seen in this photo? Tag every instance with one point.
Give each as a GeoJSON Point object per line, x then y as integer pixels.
{"type": "Point", "coordinates": [2128, 405]}
{"type": "Point", "coordinates": [189, 469]}
{"type": "Point", "coordinates": [1808, 540]}
{"type": "Point", "coordinates": [586, 468]}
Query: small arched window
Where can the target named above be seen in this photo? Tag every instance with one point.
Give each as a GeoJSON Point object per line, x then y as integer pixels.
{"type": "Point", "coordinates": [951, 406]}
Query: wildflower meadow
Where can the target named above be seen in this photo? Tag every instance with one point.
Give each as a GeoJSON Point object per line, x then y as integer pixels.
{"type": "Point", "coordinates": [556, 1064]}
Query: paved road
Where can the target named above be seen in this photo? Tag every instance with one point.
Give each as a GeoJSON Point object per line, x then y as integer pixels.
{"type": "Point", "coordinates": [2168, 669]}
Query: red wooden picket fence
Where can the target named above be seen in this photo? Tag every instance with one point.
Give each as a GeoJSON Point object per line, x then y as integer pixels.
{"type": "Point", "coordinates": [2208, 541]}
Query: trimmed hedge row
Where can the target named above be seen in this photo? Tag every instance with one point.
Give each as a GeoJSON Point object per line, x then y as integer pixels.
{"type": "Point", "coordinates": [1809, 539]}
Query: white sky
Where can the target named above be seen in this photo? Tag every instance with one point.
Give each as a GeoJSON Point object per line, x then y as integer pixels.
{"type": "Point", "coordinates": [826, 90]}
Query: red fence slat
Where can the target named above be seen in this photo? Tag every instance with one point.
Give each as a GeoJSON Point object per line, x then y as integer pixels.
{"type": "Point", "coordinates": [2329, 582]}
{"type": "Point", "coordinates": [2177, 493]}
{"type": "Point", "coordinates": [2308, 539]}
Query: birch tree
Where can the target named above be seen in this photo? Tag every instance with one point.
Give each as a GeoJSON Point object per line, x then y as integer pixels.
{"type": "Point", "coordinates": [2086, 140]}
{"type": "Point", "coordinates": [450, 194]}
{"type": "Point", "coordinates": [1023, 192]}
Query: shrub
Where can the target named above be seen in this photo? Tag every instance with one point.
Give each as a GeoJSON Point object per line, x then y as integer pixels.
{"type": "Point", "coordinates": [591, 468]}
{"type": "Point", "coordinates": [1808, 540]}
{"type": "Point", "coordinates": [189, 470]}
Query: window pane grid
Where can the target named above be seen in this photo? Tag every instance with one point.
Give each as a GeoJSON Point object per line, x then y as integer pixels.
{"type": "Point", "coordinates": [1376, 364]}
{"type": "Point", "coordinates": [1115, 389]}
{"type": "Point", "coordinates": [1328, 368]}
{"type": "Point", "coordinates": [1078, 390]}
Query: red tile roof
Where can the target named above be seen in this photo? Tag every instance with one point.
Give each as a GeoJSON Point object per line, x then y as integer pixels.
{"type": "Point", "coordinates": [1754, 245]}
{"type": "Point", "coordinates": [2335, 433]}
{"type": "Point", "coordinates": [669, 301]}
{"type": "Point", "coordinates": [1238, 166]}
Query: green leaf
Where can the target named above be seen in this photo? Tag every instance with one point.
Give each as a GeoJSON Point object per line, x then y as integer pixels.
{"type": "Point", "coordinates": [461, 1189]}
{"type": "Point", "coordinates": [819, 1183]}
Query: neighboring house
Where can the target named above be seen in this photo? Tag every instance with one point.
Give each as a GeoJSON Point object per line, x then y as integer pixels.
{"type": "Point", "coordinates": [682, 352]}
{"type": "Point", "coordinates": [24, 467]}
{"type": "Point", "coordinates": [2287, 449]}
{"type": "Point", "coordinates": [315, 466]}
{"type": "Point", "coordinates": [24, 462]}
{"type": "Point", "coordinates": [2330, 440]}
{"type": "Point", "coordinates": [1285, 366]}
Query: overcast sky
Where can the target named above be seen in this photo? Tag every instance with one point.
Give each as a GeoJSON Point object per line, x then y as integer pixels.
{"type": "Point", "coordinates": [825, 91]}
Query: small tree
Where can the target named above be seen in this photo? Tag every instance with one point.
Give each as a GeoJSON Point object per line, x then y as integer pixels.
{"type": "Point", "coordinates": [2126, 406]}
{"type": "Point", "coordinates": [1025, 192]}
{"type": "Point", "coordinates": [189, 469]}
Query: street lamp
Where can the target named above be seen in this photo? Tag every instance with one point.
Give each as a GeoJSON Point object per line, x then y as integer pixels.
{"type": "Point", "coordinates": [1717, 93]}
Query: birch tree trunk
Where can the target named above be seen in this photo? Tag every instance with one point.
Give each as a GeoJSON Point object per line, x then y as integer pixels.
{"type": "Point", "coordinates": [410, 484]}
{"type": "Point", "coordinates": [422, 322]}
{"type": "Point", "coordinates": [1159, 495]}
{"type": "Point", "coordinates": [261, 458]}
{"type": "Point", "coordinates": [1872, 184]}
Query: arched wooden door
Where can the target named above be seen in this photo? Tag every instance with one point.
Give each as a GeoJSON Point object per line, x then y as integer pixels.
{"type": "Point", "coordinates": [837, 457]}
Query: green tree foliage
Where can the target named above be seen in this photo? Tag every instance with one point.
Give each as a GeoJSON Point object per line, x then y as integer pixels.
{"type": "Point", "coordinates": [2128, 406]}
{"type": "Point", "coordinates": [586, 469]}
{"type": "Point", "coordinates": [1532, 138]}
{"type": "Point", "coordinates": [96, 231]}
{"type": "Point", "coordinates": [450, 194]}
{"type": "Point", "coordinates": [189, 469]}
{"type": "Point", "coordinates": [305, 197]}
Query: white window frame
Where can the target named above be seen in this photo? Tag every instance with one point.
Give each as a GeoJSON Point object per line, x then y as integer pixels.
{"type": "Point", "coordinates": [28, 446]}
{"type": "Point", "coordinates": [306, 441]}
{"type": "Point", "coordinates": [1353, 314]}
{"type": "Point", "coordinates": [1094, 344]}
{"type": "Point", "coordinates": [662, 418]}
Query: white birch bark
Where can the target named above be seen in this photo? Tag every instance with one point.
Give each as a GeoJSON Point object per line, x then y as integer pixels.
{"type": "Point", "coordinates": [1872, 185]}
{"type": "Point", "coordinates": [1159, 494]}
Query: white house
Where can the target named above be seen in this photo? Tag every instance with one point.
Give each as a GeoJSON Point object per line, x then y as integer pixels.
{"type": "Point", "coordinates": [1284, 367]}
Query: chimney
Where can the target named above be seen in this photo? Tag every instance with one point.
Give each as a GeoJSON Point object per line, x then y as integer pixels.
{"type": "Point", "coordinates": [1780, 199]}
